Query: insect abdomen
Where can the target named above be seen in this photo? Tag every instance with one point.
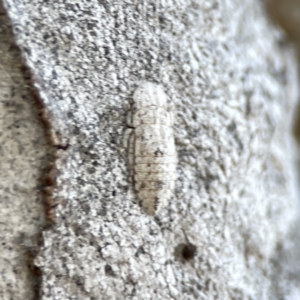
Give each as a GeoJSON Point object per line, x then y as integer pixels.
{"type": "Point", "coordinates": [154, 149]}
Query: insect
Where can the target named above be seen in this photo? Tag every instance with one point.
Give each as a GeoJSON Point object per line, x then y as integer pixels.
{"type": "Point", "coordinates": [151, 147]}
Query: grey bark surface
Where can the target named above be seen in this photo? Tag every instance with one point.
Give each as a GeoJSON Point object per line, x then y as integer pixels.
{"type": "Point", "coordinates": [23, 153]}
{"type": "Point", "coordinates": [231, 80]}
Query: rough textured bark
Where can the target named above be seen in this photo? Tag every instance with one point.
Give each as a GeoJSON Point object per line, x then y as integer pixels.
{"type": "Point", "coordinates": [231, 80]}
{"type": "Point", "coordinates": [23, 154]}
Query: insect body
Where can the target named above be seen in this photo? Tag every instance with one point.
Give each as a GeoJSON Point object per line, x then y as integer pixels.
{"type": "Point", "coordinates": [152, 153]}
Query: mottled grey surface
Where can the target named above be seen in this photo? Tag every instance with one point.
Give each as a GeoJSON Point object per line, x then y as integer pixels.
{"type": "Point", "coordinates": [23, 150]}
{"type": "Point", "coordinates": [232, 83]}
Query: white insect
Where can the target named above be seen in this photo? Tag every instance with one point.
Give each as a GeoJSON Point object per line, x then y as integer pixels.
{"type": "Point", "coordinates": [150, 141]}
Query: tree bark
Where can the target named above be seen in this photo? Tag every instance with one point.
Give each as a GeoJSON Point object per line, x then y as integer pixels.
{"type": "Point", "coordinates": [231, 81]}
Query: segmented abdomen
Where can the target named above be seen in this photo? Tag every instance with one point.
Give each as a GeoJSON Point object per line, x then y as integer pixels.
{"type": "Point", "coordinates": [154, 154]}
